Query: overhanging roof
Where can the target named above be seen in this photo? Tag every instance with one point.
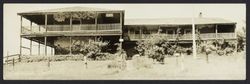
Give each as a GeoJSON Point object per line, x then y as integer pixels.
{"type": "Point", "coordinates": [176, 21]}
{"type": "Point", "coordinates": [68, 9]}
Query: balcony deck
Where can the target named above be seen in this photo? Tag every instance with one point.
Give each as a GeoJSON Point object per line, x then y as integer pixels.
{"type": "Point", "coordinates": [205, 36]}
{"type": "Point", "coordinates": [75, 30]}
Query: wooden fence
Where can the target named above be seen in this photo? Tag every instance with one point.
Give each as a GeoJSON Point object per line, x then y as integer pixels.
{"type": "Point", "coordinates": [11, 59]}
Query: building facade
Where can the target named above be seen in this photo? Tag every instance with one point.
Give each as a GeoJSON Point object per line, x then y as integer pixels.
{"type": "Point", "coordinates": [65, 26]}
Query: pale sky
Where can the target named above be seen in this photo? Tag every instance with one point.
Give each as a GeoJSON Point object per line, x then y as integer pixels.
{"type": "Point", "coordinates": [233, 12]}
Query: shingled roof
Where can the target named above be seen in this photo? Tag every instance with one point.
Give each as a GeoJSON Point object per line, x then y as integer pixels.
{"type": "Point", "coordinates": [177, 21]}
{"type": "Point", "coordinates": [67, 9]}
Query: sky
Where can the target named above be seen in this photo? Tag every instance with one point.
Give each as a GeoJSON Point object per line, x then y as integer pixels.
{"type": "Point", "coordinates": [233, 12]}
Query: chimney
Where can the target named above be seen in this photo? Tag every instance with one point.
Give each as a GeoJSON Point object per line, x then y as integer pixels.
{"type": "Point", "coordinates": [200, 15]}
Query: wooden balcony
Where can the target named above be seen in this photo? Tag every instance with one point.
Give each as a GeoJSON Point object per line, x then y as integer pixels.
{"type": "Point", "coordinates": [205, 36]}
{"type": "Point", "coordinates": [77, 30]}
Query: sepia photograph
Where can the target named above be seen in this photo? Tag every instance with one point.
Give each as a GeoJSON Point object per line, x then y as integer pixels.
{"type": "Point", "coordinates": [124, 41]}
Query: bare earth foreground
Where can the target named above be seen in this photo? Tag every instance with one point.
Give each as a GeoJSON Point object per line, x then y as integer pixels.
{"type": "Point", "coordinates": [231, 67]}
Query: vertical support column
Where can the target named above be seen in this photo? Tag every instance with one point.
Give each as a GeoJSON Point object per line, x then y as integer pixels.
{"type": "Point", "coordinates": [194, 39]}
{"type": "Point", "coordinates": [19, 58]}
{"type": "Point", "coordinates": [216, 35]}
{"type": "Point", "coordinates": [39, 28]}
{"type": "Point", "coordinates": [45, 45]}
{"type": "Point", "coordinates": [31, 29]}
{"type": "Point", "coordinates": [51, 50]}
{"type": "Point", "coordinates": [70, 51]}
{"type": "Point", "coordinates": [38, 47]}
{"type": "Point", "coordinates": [21, 36]}
{"type": "Point", "coordinates": [45, 38]}
{"type": "Point", "coordinates": [31, 46]}
{"type": "Point", "coordinates": [7, 57]}
{"type": "Point", "coordinates": [216, 31]}
{"type": "Point", "coordinates": [140, 33]}
{"type": "Point", "coordinates": [96, 26]}
{"type": "Point", "coordinates": [31, 38]}
{"type": "Point", "coordinates": [235, 36]}
{"type": "Point", "coordinates": [129, 33]}
{"type": "Point", "coordinates": [158, 31]}
{"type": "Point", "coordinates": [121, 21]}
{"type": "Point", "coordinates": [121, 40]}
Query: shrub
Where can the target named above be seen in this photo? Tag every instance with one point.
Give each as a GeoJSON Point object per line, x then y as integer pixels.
{"type": "Point", "coordinates": [91, 49]}
{"type": "Point", "coordinates": [154, 48]}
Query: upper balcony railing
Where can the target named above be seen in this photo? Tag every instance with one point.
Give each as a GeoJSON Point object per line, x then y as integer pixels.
{"type": "Point", "coordinates": [186, 36]}
{"type": "Point", "coordinates": [83, 28]}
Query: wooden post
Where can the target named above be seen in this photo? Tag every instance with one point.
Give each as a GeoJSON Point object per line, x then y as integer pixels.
{"type": "Point", "coordinates": [158, 31]}
{"type": "Point", "coordinates": [13, 62]}
{"type": "Point", "coordinates": [45, 45]}
{"type": "Point", "coordinates": [70, 50]}
{"type": "Point", "coordinates": [51, 50]}
{"type": "Point", "coordinates": [7, 57]}
{"type": "Point", "coordinates": [96, 16]}
{"type": "Point", "coordinates": [121, 20]}
{"type": "Point", "coordinates": [235, 35]}
{"type": "Point", "coordinates": [216, 36]}
{"type": "Point", "coordinates": [31, 26]}
{"type": "Point", "coordinates": [21, 25]}
{"type": "Point", "coordinates": [182, 62]}
{"type": "Point", "coordinates": [48, 62]}
{"type": "Point", "coordinates": [45, 38]}
{"type": "Point", "coordinates": [19, 58]}
{"type": "Point", "coordinates": [207, 59]}
{"type": "Point", "coordinates": [140, 35]}
{"type": "Point", "coordinates": [194, 39]}
{"type": "Point", "coordinates": [128, 31]}
{"type": "Point", "coordinates": [39, 48]}
{"type": "Point", "coordinates": [39, 28]}
{"type": "Point", "coordinates": [121, 43]}
{"type": "Point", "coordinates": [31, 46]}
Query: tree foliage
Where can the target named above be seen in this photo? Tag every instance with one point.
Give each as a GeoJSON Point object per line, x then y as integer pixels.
{"type": "Point", "coordinates": [91, 49]}
{"type": "Point", "coordinates": [154, 47]}
{"type": "Point", "coordinates": [60, 17]}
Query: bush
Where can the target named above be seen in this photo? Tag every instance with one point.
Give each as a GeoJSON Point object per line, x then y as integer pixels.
{"type": "Point", "coordinates": [153, 48]}
{"type": "Point", "coordinates": [92, 49]}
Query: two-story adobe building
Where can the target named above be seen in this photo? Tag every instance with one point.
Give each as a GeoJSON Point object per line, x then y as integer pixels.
{"type": "Point", "coordinates": [63, 26]}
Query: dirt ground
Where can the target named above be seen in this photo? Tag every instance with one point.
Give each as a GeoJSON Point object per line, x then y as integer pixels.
{"type": "Point", "coordinates": [232, 67]}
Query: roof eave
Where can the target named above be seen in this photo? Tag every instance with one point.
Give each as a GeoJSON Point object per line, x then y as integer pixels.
{"type": "Point", "coordinates": [43, 13]}
{"type": "Point", "coordinates": [184, 24]}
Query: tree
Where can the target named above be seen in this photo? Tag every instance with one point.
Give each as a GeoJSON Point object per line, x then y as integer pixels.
{"type": "Point", "coordinates": [91, 49]}
{"type": "Point", "coordinates": [154, 47]}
